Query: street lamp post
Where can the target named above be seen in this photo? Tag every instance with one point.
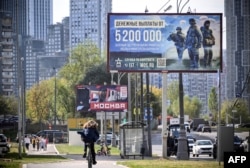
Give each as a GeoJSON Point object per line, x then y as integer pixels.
{"type": "Point", "coordinates": [55, 97]}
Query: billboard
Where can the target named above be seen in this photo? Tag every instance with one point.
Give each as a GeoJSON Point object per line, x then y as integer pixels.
{"type": "Point", "coordinates": [110, 98]}
{"type": "Point", "coordinates": [148, 42]}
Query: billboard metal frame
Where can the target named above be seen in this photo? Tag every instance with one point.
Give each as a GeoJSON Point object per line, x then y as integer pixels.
{"type": "Point", "coordinates": [140, 42]}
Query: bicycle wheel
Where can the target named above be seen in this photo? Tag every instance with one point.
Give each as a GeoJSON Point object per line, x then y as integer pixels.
{"type": "Point", "coordinates": [99, 152]}
{"type": "Point", "coordinates": [108, 152]}
{"type": "Point", "coordinates": [90, 159]}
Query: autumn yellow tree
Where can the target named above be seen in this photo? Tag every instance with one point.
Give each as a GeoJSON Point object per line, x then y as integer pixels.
{"type": "Point", "coordinates": [39, 102]}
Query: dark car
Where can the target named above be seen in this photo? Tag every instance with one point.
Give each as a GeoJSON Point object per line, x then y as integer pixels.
{"type": "Point", "coordinates": [199, 128]}
{"type": "Point", "coordinates": [55, 136]}
{"type": "Point", "coordinates": [206, 128]}
{"type": "Point", "coordinates": [4, 146]}
{"type": "Point", "coordinates": [191, 137]}
{"type": "Point", "coordinates": [237, 146]}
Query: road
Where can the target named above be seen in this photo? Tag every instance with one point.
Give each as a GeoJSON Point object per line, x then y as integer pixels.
{"type": "Point", "coordinates": [157, 142]}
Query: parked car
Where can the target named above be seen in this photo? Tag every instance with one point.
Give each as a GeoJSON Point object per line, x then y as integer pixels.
{"type": "Point", "coordinates": [4, 145]}
{"type": "Point", "coordinates": [203, 147]}
{"type": "Point", "coordinates": [244, 144]}
{"type": "Point", "coordinates": [109, 136]}
{"type": "Point", "coordinates": [190, 144]}
{"type": "Point", "coordinates": [237, 144]}
{"type": "Point", "coordinates": [199, 128]}
{"type": "Point", "coordinates": [56, 136]}
{"type": "Point", "coordinates": [191, 137]}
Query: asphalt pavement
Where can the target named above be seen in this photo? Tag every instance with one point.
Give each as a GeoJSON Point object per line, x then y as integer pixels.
{"type": "Point", "coordinates": [74, 161]}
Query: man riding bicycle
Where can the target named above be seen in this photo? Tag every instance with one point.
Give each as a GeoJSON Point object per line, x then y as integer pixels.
{"type": "Point", "coordinates": [90, 135]}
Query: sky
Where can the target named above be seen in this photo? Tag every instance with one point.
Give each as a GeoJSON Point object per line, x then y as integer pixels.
{"type": "Point", "coordinates": [61, 7]}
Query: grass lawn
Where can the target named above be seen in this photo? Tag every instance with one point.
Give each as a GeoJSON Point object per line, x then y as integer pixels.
{"type": "Point", "coordinates": [70, 149]}
{"type": "Point", "coordinates": [17, 162]}
{"type": "Point", "coordinates": [166, 163]}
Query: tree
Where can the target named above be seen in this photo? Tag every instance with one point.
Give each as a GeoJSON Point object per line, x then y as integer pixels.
{"type": "Point", "coordinates": [192, 107]}
{"type": "Point", "coordinates": [213, 103]}
{"type": "Point", "coordinates": [173, 91]}
{"type": "Point", "coordinates": [8, 105]}
{"type": "Point", "coordinates": [39, 102]}
{"type": "Point", "coordinates": [241, 111]}
{"type": "Point", "coordinates": [82, 58]}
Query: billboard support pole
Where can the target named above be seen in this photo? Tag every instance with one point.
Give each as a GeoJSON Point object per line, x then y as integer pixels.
{"type": "Point", "coordinates": [113, 117]}
{"type": "Point", "coordinates": [148, 117]}
{"type": "Point", "coordinates": [182, 150]}
{"type": "Point", "coordinates": [164, 115]}
{"type": "Point", "coordinates": [129, 98]}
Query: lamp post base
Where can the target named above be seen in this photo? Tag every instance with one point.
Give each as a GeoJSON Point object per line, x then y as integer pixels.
{"type": "Point", "coordinates": [182, 151]}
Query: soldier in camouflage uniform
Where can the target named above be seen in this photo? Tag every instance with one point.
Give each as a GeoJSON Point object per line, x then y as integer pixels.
{"type": "Point", "coordinates": [193, 43]}
{"type": "Point", "coordinates": [208, 42]}
{"type": "Point", "coordinates": [179, 40]}
{"type": "Point", "coordinates": [180, 43]}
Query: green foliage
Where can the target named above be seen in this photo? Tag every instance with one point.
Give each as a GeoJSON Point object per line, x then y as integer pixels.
{"type": "Point", "coordinates": [97, 75]}
{"type": "Point", "coordinates": [8, 105]}
{"type": "Point", "coordinates": [192, 107]}
{"type": "Point", "coordinates": [241, 111]}
{"type": "Point", "coordinates": [173, 91]}
{"type": "Point", "coordinates": [213, 103]}
{"type": "Point", "coordinates": [82, 58]}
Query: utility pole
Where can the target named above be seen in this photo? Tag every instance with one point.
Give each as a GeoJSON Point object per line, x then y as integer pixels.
{"type": "Point", "coordinates": [18, 55]}
{"type": "Point", "coordinates": [55, 97]}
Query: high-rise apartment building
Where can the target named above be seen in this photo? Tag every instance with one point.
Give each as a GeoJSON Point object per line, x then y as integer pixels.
{"type": "Point", "coordinates": [32, 16]}
{"type": "Point", "coordinates": [55, 41]}
{"type": "Point", "coordinates": [6, 54]}
{"type": "Point", "coordinates": [88, 22]}
{"type": "Point", "coordinates": [237, 14]}
{"type": "Point", "coordinates": [30, 21]}
{"type": "Point", "coordinates": [65, 23]}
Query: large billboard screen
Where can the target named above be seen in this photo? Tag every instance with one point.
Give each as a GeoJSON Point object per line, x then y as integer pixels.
{"type": "Point", "coordinates": [110, 98]}
{"type": "Point", "coordinates": [142, 42]}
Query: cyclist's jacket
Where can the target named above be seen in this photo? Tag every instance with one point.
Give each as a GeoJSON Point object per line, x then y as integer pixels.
{"type": "Point", "coordinates": [89, 134]}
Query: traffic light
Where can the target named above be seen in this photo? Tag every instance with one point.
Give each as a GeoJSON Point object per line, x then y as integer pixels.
{"type": "Point", "coordinates": [83, 99]}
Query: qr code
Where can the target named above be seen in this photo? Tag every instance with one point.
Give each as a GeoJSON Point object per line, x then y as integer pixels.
{"type": "Point", "coordinates": [161, 62]}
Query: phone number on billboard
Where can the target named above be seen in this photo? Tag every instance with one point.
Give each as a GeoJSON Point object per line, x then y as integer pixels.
{"type": "Point", "coordinates": [137, 35]}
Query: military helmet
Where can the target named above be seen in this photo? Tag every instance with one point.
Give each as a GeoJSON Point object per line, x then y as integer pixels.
{"type": "Point", "coordinates": [192, 21]}
{"type": "Point", "coordinates": [206, 22]}
{"type": "Point", "coordinates": [178, 28]}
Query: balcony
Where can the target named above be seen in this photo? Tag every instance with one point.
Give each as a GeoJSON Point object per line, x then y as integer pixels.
{"type": "Point", "coordinates": [7, 83]}
{"type": "Point", "coordinates": [7, 35]}
{"type": "Point", "coordinates": [6, 42]}
{"type": "Point", "coordinates": [7, 49]}
{"type": "Point", "coordinates": [7, 69]}
{"type": "Point", "coordinates": [7, 62]}
{"type": "Point", "coordinates": [7, 76]}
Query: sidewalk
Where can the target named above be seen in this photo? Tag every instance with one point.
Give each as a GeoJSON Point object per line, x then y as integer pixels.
{"type": "Point", "coordinates": [75, 161]}
{"type": "Point", "coordinates": [51, 150]}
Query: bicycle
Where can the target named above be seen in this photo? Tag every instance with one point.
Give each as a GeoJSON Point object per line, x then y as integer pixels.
{"type": "Point", "coordinates": [104, 150]}
{"type": "Point", "coordinates": [89, 156]}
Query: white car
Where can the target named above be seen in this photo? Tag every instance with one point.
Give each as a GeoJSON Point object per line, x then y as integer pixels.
{"type": "Point", "coordinates": [202, 147]}
{"type": "Point", "coordinates": [190, 144]}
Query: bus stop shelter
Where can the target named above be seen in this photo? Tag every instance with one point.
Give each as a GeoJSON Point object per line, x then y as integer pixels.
{"type": "Point", "coordinates": [132, 141]}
